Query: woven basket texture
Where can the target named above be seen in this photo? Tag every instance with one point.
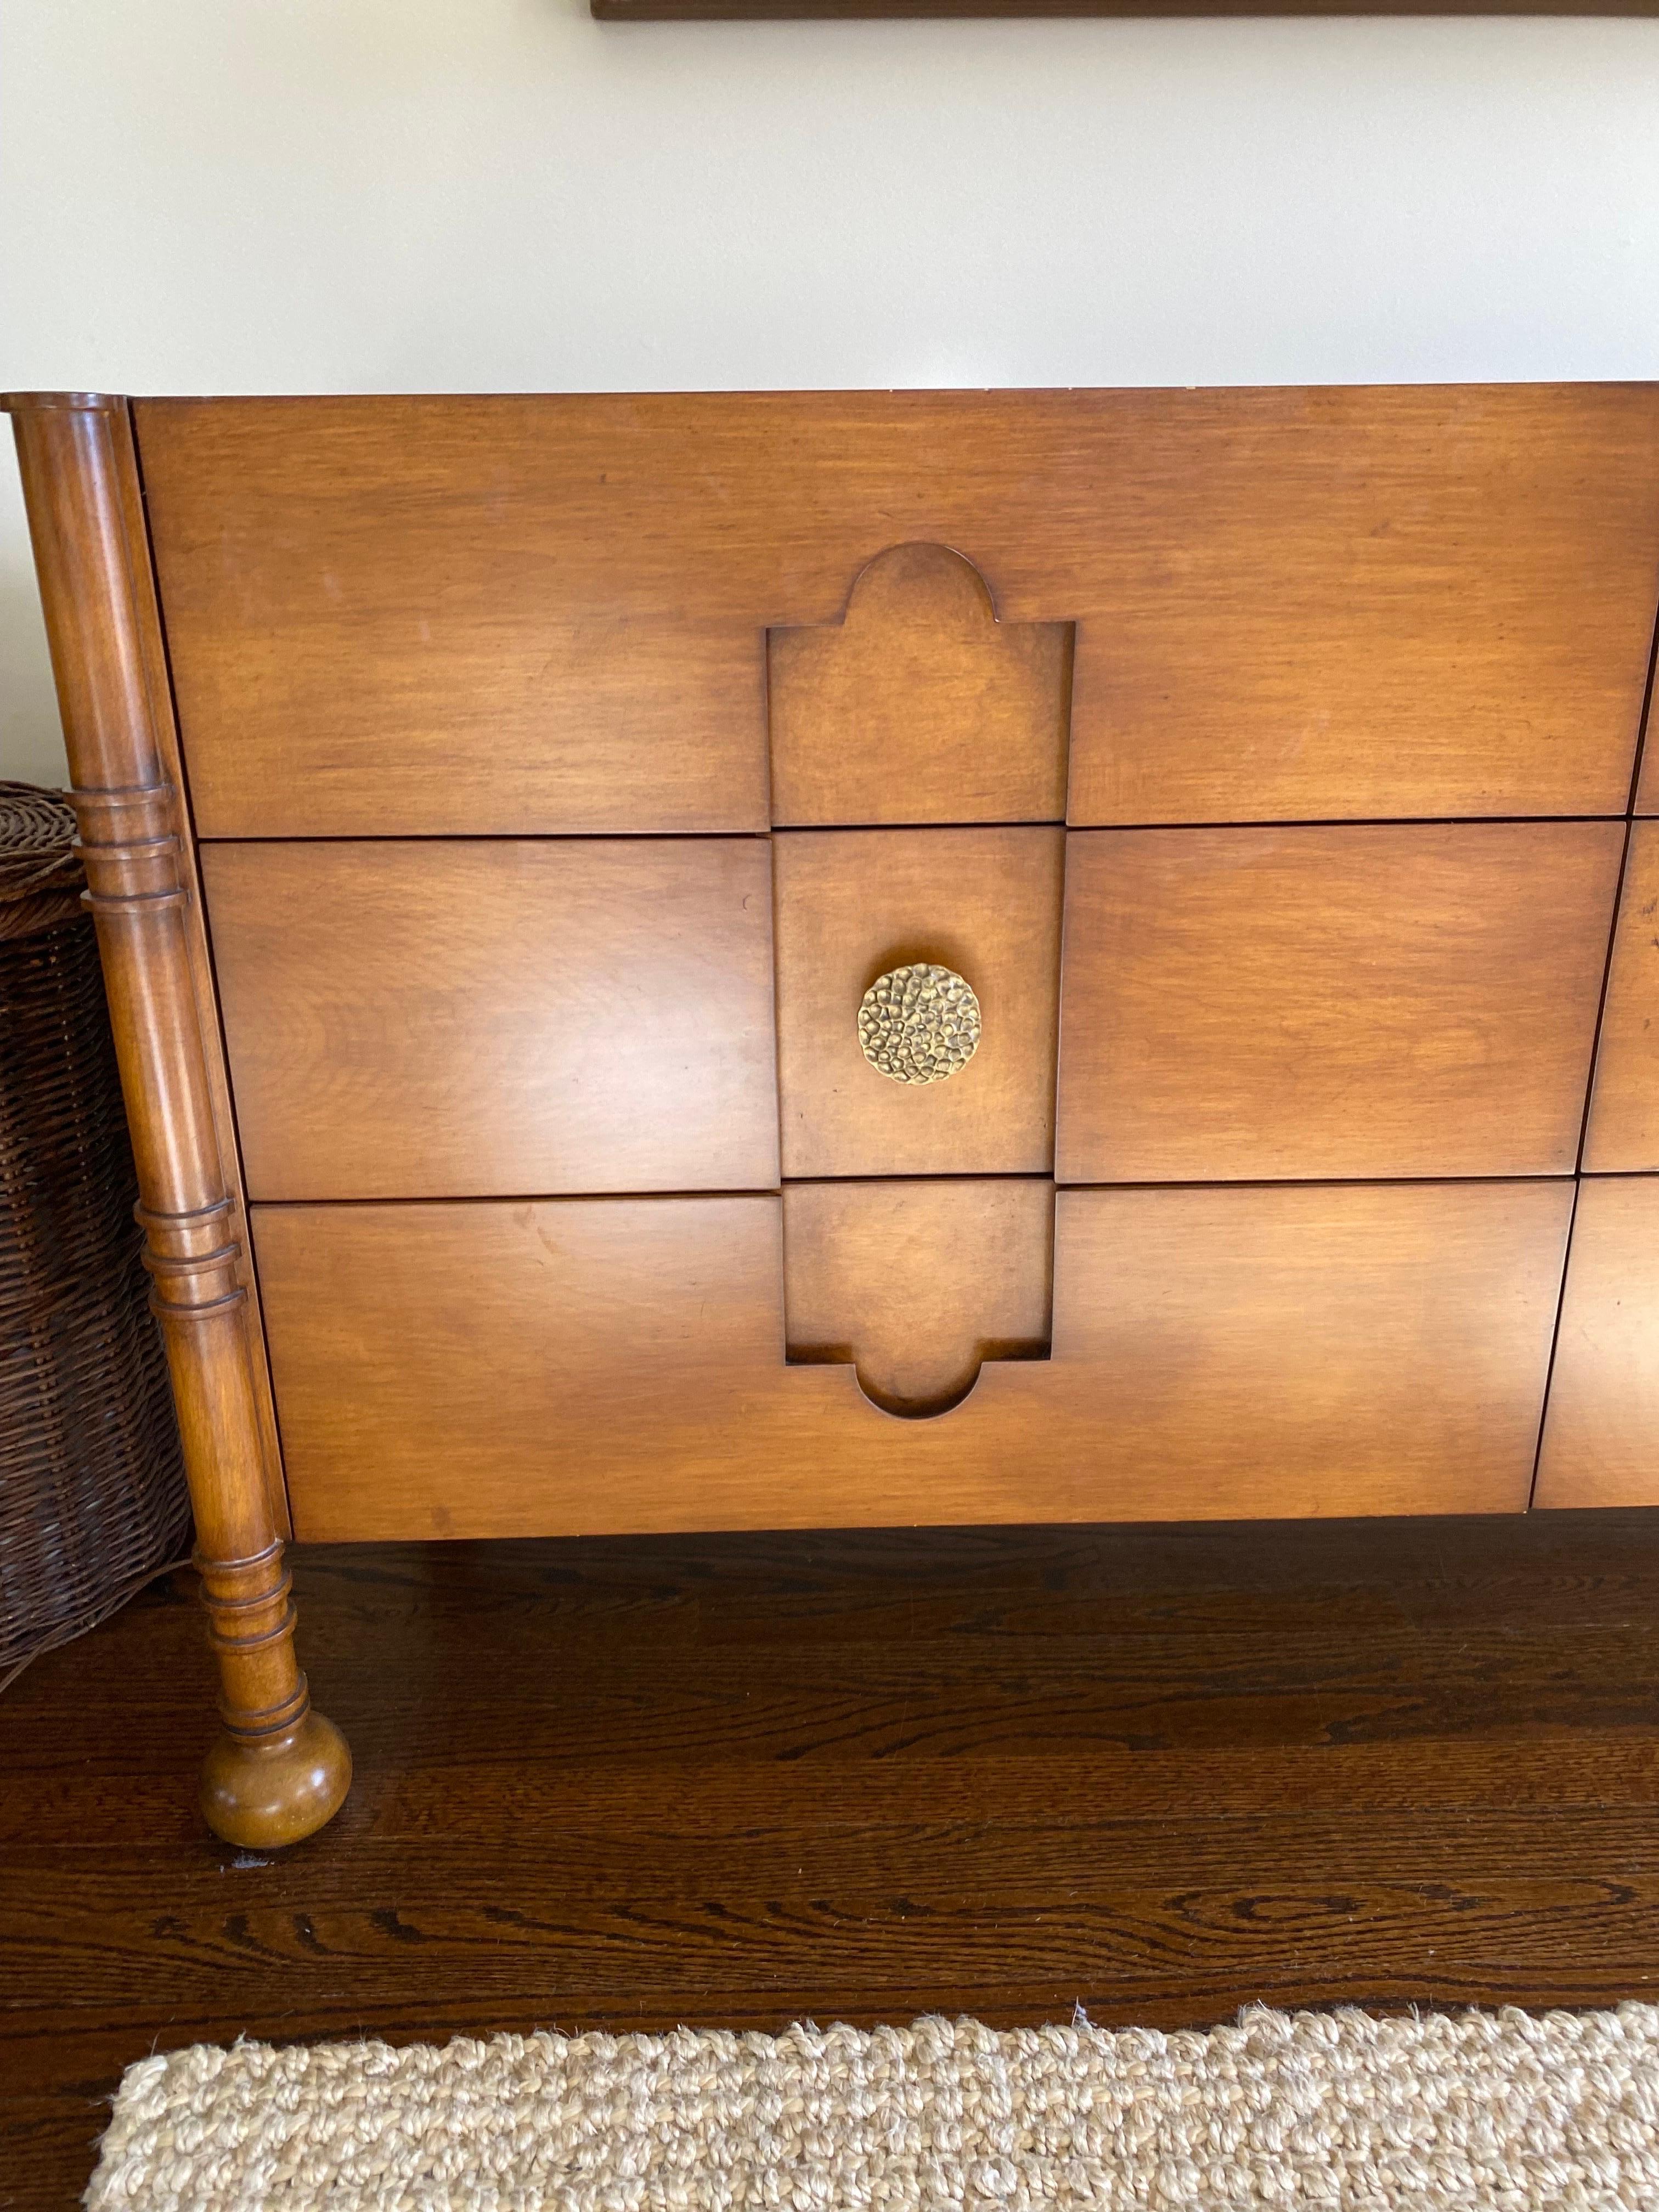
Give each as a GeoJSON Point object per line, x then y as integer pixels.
{"type": "Point", "coordinates": [93, 1500]}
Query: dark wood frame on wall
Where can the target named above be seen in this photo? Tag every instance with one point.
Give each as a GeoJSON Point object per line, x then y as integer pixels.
{"type": "Point", "coordinates": [756, 11]}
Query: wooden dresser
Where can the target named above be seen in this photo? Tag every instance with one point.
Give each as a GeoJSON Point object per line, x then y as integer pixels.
{"type": "Point", "coordinates": [733, 961]}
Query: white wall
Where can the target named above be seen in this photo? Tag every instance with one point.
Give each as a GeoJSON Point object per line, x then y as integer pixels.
{"type": "Point", "coordinates": [363, 195]}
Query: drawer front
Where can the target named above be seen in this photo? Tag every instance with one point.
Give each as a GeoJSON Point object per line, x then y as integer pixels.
{"type": "Point", "coordinates": [918, 706]}
{"type": "Point", "coordinates": [520, 1368]}
{"type": "Point", "coordinates": [1624, 1122]}
{"type": "Point", "coordinates": [477, 616]}
{"type": "Point", "coordinates": [1602, 1439]}
{"type": "Point", "coordinates": [854, 905]}
{"type": "Point", "coordinates": [417, 1020]}
{"type": "Point", "coordinates": [916, 1284]}
{"type": "Point", "coordinates": [1404, 1000]}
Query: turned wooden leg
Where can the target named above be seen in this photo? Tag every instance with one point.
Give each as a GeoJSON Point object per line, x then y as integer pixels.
{"type": "Point", "coordinates": [278, 1770]}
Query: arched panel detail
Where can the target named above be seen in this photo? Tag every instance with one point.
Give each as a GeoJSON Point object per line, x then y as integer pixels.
{"type": "Point", "coordinates": [918, 706]}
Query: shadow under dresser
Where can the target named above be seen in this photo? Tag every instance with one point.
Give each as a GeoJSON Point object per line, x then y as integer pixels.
{"type": "Point", "coordinates": [734, 961]}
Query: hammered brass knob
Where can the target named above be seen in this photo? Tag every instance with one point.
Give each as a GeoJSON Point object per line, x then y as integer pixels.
{"type": "Point", "coordinates": [918, 1024]}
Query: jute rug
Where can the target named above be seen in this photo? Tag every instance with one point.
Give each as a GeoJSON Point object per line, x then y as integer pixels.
{"type": "Point", "coordinates": [1481, 2113]}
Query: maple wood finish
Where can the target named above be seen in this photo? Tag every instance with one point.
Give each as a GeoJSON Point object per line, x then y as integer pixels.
{"type": "Point", "coordinates": [852, 904]}
{"type": "Point", "coordinates": [494, 1370]}
{"type": "Point", "coordinates": [564, 772]}
{"type": "Point", "coordinates": [454, 616]}
{"type": "Point", "coordinates": [406, 1020]}
{"type": "Point", "coordinates": [918, 706]}
{"type": "Point", "coordinates": [1400, 1000]}
{"type": "Point", "coordinates": [278, 1770]}
{"type": "Point", "coordinates": [1624, 1122]}
{"type": "Point", "coordinates": [918, 1283]}
{"type": "Point", "coordinates": [1602, 1439]}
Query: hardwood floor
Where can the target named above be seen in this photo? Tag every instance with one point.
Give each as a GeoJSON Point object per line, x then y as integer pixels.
{"type": "Point", "coordinates": [1160, 1773]}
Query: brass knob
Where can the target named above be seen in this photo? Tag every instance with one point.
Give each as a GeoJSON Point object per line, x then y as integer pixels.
{"type": "Point", "coordinates": [918, 1024]}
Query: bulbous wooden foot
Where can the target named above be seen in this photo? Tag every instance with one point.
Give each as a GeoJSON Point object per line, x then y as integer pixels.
{"type": "Point", "coordinates": [265, 1792]}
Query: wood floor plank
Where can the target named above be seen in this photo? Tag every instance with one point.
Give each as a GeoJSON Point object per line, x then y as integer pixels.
{"type": "Point", "coordinates": [1160, 1773]}
{"type": "Point", "coordinates": [502, 1805]}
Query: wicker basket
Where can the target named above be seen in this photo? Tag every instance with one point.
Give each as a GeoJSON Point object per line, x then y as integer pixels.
{"type": "Point", "coordinates": [92, 1492]}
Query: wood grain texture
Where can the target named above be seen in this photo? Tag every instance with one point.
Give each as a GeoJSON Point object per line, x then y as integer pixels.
{"type": "Point", "coordinates": [576, 1356]}
{"type": "Point", "coordinates": [107, 688]}
{"type": "Point", "coordinates": [277, 1770]}
{"type": "Point", "coordinates": [512, 615]}
{"type": "Point", "coordinates": [1159, 1773]}
{"type": "Point", "coordinates": [597, 1365]}
{"type": "Point", "coordinates": [417, 1020]}
{"type": "Point", "coordinates": [917, 1283]}
{"type": "Point", "coordinates": [1647, 789]}
{"type": "Point", "coordinates": [852, 904]}
{"type": "Point", "coordinates": [1624, 1119]}
{"type": "Point", "coordinates": [918, 706]}
{"type": "Point", "coordinates": [1602, 1439]}
{"type": "Point", "coordinates": [1344, 1001]}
